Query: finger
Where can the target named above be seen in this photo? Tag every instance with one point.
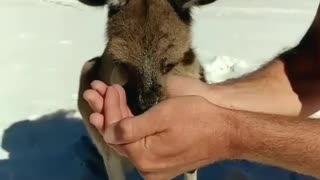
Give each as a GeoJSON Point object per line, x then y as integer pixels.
{"type": "Point", "coordinates": [99, 86]}
{"type": "Point", "coordinates": [94, 99]}
{"type": "Point", "coordinates": [112, 106]}
{"type": "Point", "coordinates": [123, 101]}
{"type": "Point", "coordinates": [134, 129]}
{"type": "Point", "coordinates": [97, 120]}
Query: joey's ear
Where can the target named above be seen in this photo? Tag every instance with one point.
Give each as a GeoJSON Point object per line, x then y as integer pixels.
{"type": "Point", "coordinates": [94, 2]}
{"type": "Point", "coordinates": [192, 3]}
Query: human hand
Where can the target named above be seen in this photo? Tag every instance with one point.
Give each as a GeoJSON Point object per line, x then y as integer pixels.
{"type": "Point", "coordinates": [173, 137]}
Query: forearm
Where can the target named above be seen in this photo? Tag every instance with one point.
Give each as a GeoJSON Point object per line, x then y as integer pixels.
{"type": "Point", "coordinates": [266, 91]}
{"type": "Point", "coordinates": [287, 86]}
{"type": "Point", "coordinates": [285, 142]}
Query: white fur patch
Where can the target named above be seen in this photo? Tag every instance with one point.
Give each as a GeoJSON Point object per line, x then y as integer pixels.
{"type": "Point", "coordinates": [117, 2]}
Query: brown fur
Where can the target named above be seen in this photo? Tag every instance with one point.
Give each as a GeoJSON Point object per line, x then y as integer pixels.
{"type": "Point", "coordinates": [149, 47]}
{"type": "Point", "coordinates": [147, 40]}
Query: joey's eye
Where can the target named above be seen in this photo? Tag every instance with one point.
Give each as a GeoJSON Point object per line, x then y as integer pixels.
{"type": "Point", "coordinates": [168, 67]}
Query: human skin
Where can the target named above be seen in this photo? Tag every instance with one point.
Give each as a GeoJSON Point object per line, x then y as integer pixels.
{"type": "Point", "coordinates": [262, 117]}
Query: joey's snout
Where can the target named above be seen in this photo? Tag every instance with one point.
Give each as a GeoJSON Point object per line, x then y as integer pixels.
{"type": "Point", "coordinates": [149, 95]}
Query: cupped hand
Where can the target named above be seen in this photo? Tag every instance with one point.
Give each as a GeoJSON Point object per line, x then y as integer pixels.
{"type": "Point", "coordinates": [175, 136]}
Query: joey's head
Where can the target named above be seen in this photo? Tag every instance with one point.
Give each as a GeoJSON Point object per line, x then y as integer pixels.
{"type": "Point", "coordinates": [147, 40]}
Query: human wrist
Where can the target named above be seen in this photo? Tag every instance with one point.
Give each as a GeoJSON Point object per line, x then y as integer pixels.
{"type": "Point", "coordinates": [234, 134]}
{"type": "Point", "coordinates": [231, 140]}
{"type": "Point", "coordinates": [238, 135]}
{"type": "Point", "coordinates": [221, 95]}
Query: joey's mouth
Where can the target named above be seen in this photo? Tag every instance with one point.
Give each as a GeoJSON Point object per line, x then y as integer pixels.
{"type": "Point", "coordinates": [138, 109]}
{"type": "Point", "coordinates": [141, 102]}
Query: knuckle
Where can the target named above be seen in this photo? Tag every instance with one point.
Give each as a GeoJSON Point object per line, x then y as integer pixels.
{"type": "Point", "coordinates": [143, 164]}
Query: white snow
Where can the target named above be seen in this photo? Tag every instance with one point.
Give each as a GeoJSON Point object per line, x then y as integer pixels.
{"type": "Point", "coordinates": [45, 42]}
{"type": "Point", "coordinates": [220, 68]}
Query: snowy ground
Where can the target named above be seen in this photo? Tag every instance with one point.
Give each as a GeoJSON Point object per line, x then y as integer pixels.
{"type": "Point", "coordinates": [45, 42]}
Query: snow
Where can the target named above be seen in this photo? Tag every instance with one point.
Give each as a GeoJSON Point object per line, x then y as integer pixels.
{"type": "Point", "coordinates": [45, 42]}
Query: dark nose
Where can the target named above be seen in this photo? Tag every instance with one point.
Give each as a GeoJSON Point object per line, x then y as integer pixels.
{"type": "Point", "coordinates": [149, 96]}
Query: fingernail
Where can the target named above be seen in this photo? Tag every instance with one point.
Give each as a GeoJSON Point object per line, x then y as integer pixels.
{"type": "Point", "coordinates": [86, 96]}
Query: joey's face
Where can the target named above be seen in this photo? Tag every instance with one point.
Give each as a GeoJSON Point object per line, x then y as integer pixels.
{"type": "Point", "coordinates": [147, 40]}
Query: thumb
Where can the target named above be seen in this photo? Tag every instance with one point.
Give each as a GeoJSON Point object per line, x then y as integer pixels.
{"type": "Point", "coordinates": [133, 129]}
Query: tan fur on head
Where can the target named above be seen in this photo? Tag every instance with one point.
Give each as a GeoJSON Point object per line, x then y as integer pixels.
{"type": "Point", "coordinates": [138, 36]}
{"type": "Point", "coordinates": [149, 39]}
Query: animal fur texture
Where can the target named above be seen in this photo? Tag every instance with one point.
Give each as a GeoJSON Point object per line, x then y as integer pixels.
{"type": "Point", "coordinates": [147, 40]}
